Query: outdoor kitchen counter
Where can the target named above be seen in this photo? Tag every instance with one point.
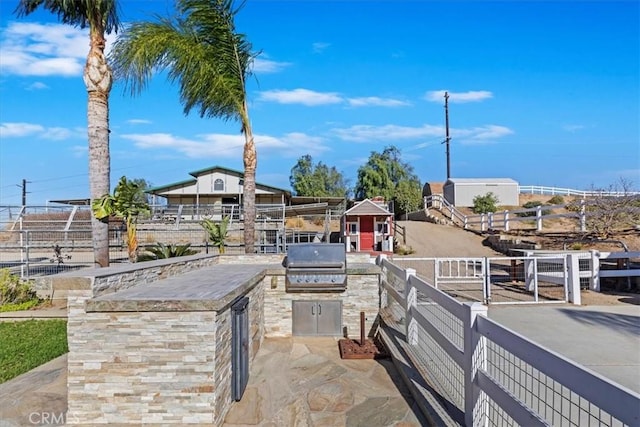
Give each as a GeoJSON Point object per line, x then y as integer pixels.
{"type": "Point", "coordinates": [210, 288]}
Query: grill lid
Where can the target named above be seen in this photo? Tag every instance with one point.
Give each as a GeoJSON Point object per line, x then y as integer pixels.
{"type": "Point", "coordinates": [316, 255]}
{"type": "Point", "coordinates": [316, 267]}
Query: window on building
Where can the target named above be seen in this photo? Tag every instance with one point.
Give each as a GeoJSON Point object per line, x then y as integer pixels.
{"type": "Point", "coordinates": [383, 228]}
{"type": "Point", "coordinates": [218, 185]}
{"type": "Point", "coordinates": [353, 228]}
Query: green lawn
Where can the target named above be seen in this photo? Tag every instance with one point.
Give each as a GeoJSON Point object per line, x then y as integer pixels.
{"type": "Point", "coordinates": [27, 344]}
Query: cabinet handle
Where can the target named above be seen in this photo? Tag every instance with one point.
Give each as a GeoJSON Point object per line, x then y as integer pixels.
{"type": "Point", "coordinates": [312, 313]}
{"type": "Point", "coordinates": [319, 309]}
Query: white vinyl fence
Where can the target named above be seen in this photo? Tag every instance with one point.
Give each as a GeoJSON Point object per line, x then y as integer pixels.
{"type": "Point", "coordinates": [488, 375]}
{"type": "Point", "coordinates": [535, 277]}
{"type": "Point", "coordinates": [503, 220]}
{"type": "Point", "coordinates": [541, 189]}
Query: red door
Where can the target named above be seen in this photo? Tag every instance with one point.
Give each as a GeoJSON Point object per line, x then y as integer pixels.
{"type": "Point", "coordinates": [366, 233]}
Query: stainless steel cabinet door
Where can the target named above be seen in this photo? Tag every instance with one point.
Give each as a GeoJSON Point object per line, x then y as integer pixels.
{"type": "Point", "coordinates": [317, 318]}
{"type": "Point", "coordinates": [304, 319]}
{"type": "Point", "coordinates": [329, 318]}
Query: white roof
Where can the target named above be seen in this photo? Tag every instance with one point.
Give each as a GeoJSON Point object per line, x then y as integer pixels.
{"type": "Point", "coordinates": [482, 181]}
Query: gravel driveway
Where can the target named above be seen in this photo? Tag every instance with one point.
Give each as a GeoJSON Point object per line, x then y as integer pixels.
{"type": "Point", "coordinates": [433, 240]}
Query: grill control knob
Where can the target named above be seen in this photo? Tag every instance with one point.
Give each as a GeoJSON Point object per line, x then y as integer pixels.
{"type": "Point", "coordinates": [315, 280]}
{"type": "Point", "coordinates": [307, 280]}
{"type": "Point", "coordinates": [333, 280]}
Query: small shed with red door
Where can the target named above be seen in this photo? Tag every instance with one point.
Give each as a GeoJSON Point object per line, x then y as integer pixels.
{"type": "Point", "coordinates": [368, 227]}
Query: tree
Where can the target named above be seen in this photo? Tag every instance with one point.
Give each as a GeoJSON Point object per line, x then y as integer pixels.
{"type": "Point", "coordinates": [101, 17]}
{"type": "Point", "coordinates": [408, 196]}
{"type": "Point", "coordinates": [202, 51]}
{"type": "Point", "coordinates": [386, 175]}
{"type": "Point", "coordinates": [317, 180]}
{"type": "Point", "coordinates": [609, 210]}
{"type": "Point", "coordinates": [142, 185]}
{"type": "Point", "coordinates": [124, 203]}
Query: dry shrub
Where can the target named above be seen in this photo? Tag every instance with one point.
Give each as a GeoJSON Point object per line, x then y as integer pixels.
{"type": "Point", "coordinates": [295, 222]}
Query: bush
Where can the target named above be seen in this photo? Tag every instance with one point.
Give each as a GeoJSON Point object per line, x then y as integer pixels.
{"type": "Point", "coordinates": [162, 251]}
{"type": "Point", "coordinates": [485, 204]}
{"type": "Point", "coordinates": [530, 205]}
{"type": "Point", "coordinates": [14, 290]}
{"type": "Point", "coordinates": [556, 200]}
{"type": "Point", "coordinates": [403, 250]}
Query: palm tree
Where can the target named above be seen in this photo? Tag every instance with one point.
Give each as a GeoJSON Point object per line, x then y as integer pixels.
{"type": "Point", "coordinates": [125, 203]}
{"type": "Point", "coordinates": [217, 232]}
{"type": "Point", "coordinates": [101, 17]}
{"type": "Point", "coordinates": [201, 50]}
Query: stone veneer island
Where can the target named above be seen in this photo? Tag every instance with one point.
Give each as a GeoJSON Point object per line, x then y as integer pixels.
{"type": "Point", "coordinates": [150, 343]}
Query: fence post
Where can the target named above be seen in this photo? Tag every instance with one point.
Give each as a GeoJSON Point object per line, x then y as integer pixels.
{"type": "Point", "coordinates": [472, 361]}
{"type": "Point", "coordinates": [384, 298]}
{"type": "Point", "coordinates": [481, 222]}
{"type": "Point", "coordinates": [538, 218]}
{"type": "Point", "coordinates": [573, 271]}
{"type": "Point", "coordinates": [412, 304]}
{"type": "Point", "coordinates": [490, 220]}
{"type": "Point", "coordinates": [486, 280]}
{"type": "Point", "coordinates": [594, 280]}
{"type": "Point", "coordinates": [506, 220]}
{"type": "Point", "coordinates": [583, 216]}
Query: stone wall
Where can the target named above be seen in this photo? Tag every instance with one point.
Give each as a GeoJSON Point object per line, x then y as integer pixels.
{"type": "Point", "coordinates": [150, 367]}
{"type": "Point", "coordinates": [119, 276]}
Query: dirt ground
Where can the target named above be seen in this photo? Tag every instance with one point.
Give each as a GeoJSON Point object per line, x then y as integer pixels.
{"type": "Point", "coordinates": [432, 240]}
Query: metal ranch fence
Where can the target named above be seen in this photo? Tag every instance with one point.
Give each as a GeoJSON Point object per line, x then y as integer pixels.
{"type": "Point", "coordinates": [488, 375]}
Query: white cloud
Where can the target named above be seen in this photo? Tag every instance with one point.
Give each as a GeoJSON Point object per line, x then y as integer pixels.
{"type": "Point", "coordinates": [139, 122]}
{"type": "Point", "coordinates": [573, 128]}
{"type": "Point", "coordinates": [312, 98]}
{"type": "Point", "coordinates": [57, 134]}
{"type": "Point", "coordinates": [266, 66]}
{"type": "Point", "coordinates": [37, 86]}
{"type": "Point", "coordinates": [459, 97]}
{"type": "Point", "coordinates": [20, 130]}
{"type": "Point", "coordinates": [486, 134]}
{"type": "Point", "coordinates": [320, 47]}
{"type": "Point", "coordinates": [228, 145]}
{"type": "Point", "coordinates": [34, 49]}
{"type": "Point", "coordinates": [17, 130]}
{"type": "Point", "coordinates": [366, 133]}
{"type": "Point", "coordinates": [377, 102]}
{"type": "Point", "coordinates": [300, 96]}
{"type": "Point", "coordinates": [79, 150]}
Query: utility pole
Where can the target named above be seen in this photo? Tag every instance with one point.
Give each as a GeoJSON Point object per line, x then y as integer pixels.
{"type": "Point", "coordinates": [24, 191]}
{"type": "Point", "coordinates": [447, 137]}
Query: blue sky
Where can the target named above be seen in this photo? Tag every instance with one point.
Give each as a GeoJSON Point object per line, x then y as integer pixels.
{"type": "Point", "coordinates": [544, 92]}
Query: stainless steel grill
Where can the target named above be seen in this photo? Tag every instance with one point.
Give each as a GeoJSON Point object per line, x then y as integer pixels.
{"type": "Point", "coordinates": [316, 267]}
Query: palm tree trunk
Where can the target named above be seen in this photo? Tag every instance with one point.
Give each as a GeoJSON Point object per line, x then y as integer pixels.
{"type": "Point", "coordinates": [98, 79]}
{"type": "Point", "coordinates": [249, 200]}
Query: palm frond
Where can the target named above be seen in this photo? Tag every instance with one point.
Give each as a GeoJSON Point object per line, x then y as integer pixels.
{"type": "Point", "coordinates": [201, 51]}
{"type": "Point", "coordinates": [101, 14]}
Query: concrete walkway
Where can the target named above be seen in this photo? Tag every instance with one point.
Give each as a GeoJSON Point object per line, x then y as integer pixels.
{"type": "Point", "coordinates": [38, 397]}
{"type": "Point", "coordinates": [605, 339]}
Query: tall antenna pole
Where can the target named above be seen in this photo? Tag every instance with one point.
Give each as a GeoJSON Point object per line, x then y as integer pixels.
{"type": "Point", "coordinates": [447, 137]}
